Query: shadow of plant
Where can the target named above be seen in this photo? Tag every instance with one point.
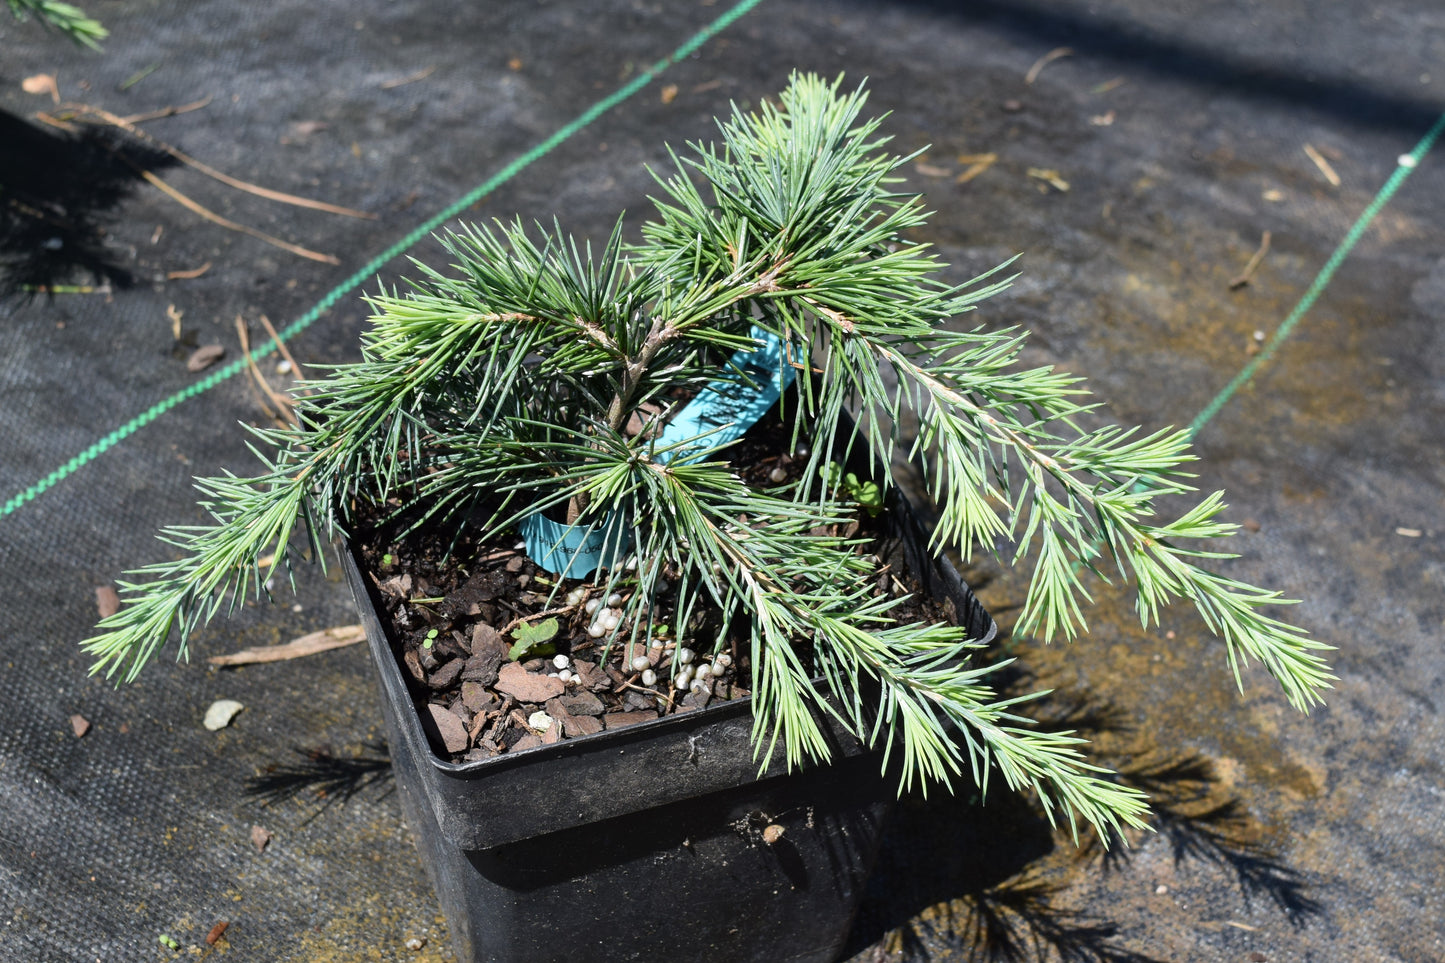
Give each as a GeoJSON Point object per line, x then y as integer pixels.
{"type": "Point", "coordinates": [1203, 826]}
{"type": "Point", "coordinates": [57, 191]}
{"type": "Point", "coordinates": [323, 777]}
{"type": "Point", "coordinates": [1017, 921]}
{"type": "Point", "coordinates": [963, 880]}
{"type": "Point", "coordinates": [958, 875]}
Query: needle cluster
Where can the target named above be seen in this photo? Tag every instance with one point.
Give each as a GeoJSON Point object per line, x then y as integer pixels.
{"type": "Point", "coordinates": [64, 17]}
{"type": "Point", "coordinates": [529, 376]}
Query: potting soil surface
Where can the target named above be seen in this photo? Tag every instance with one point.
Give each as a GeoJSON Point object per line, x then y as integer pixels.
{"type": "Point", "coordinates": [1178, 177]}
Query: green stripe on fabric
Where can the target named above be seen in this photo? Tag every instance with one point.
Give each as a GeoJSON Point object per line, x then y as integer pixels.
{"type": "Point", "coordinates": [346, 287]}
{"type": "Point", "coordinates": [1407, 164]}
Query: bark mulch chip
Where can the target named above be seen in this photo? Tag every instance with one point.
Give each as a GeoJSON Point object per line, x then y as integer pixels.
{"type": "Point", "coordinates": [578, 703]}
{"type": "Point", "coordinates": [616, 720]}
{"type": "Point", "coordinates": [449, 672]}
{"type": "Point", "coordinates": [449, 728]}
{"type": "Point", "coordinates": [514, 680]}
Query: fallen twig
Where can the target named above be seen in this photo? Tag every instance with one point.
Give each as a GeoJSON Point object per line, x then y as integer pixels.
{"type": "Point", "coordinates": [240, 185]}
{"type": "Point", "coordinates": [281, 347]}
{"type": "Point", "coordinates": [978, 163]}
{"type": "Point", "coordinates": [326, 639]}
{"type": "Point", "coordinates": [167, 111]}
{"type": "Point", "coordinates": [1044, 61]}
{"type": "Point", "coordinates": [214, 218]}
{"type": "Point", "coordinates": [536, 615]}
{"type": "Point", "coordinates": [188, 275]}
{"type": "Point", "coordinates": [192, 206]}
{"type": "Point", "coordinates": [1049, 176]}
{"type": "Point", "coordinates": [422, 74]}
{"type": "Point", "coordinates": [631, 684]}
{"type": "Point", "coordinates": [56, 122]}
{"type": "Point", "coordinates": [1323, 165]}
{"type": "Point", "coordinates": [65, 289]}
{"type": "Point", "coordinates": [287, 416]}
{"type": "Point", "coordinates": [1241, 279]}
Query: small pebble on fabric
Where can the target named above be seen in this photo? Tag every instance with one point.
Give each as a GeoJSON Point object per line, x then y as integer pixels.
{"type": "Point", "coordinates": [221, 712]}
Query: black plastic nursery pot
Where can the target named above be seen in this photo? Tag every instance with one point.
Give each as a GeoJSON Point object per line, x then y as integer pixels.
{"type": "Point", "coordinates": [656, 841]}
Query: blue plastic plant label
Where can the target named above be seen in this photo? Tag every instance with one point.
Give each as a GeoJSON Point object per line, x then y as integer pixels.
{"type": "Point", "coordinates": [721, 413]}
{"type": "Point", "coordinates": [724, 410]}
{"type": "Point", "coordinates": [574, 551]}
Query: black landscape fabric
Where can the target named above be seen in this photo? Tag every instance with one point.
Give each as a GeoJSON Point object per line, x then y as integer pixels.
{"type": "Point", "coordinates": [1137, 153]}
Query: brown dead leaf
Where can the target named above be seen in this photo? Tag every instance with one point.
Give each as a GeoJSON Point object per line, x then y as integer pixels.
{"type": "Point", "coordinates": [205, 356]}
{"type": "Point", "coordinates": [669, 93]}
{"type": "Point", "coordinates": [42, 84]}
{"type": "Point", "coordinates": [107, 601]}
{"type": "Point", "coordinates": [79, 725]}
{"type": "Point", "coordinates": [260, 838]}
{"type": "Point", "coordinates": [217, 932]}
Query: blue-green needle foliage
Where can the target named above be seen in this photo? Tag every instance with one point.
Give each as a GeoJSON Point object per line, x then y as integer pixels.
{"type": "Point", "coordinates": [69, 20]}
{"type": "Point", "coordinates": [510, 380]}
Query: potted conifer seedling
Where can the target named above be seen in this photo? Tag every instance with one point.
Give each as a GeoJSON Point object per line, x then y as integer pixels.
{"type": "Point", "coordinates": [658, 639]}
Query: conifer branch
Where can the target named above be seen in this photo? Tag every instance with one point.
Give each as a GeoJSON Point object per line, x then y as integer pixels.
{"type": "Point", "coordinates": [508, 385]}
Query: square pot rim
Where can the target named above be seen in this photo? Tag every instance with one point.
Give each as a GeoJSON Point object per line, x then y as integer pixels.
{"type": "Point", "coordinates": [609, 739]}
